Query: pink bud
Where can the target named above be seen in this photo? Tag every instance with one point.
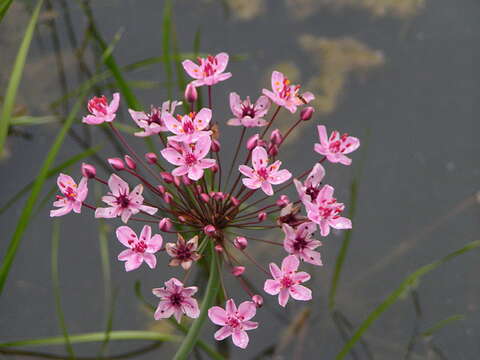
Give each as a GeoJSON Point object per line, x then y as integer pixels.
{"type": "Point", "coordinates": [167, 197]}
{"type": "Point", "coordinates": [151, 158]}
{"type": "Point", "coordinates": [116, 164]}
{"type": "Point", "coordinates": [258, 300]}
{"type": "Point", "coordinates": [214, 168]}
{"type": "Point", "coordinates": [218, 196]}
{"type": "Point", "coordinates": [276, 137]}
{"type": "Point", "coordinates": [219, 248]}
{"type": "Point", "coordinates": [262, 216]}
{"type": "Point", "coordinates": [205, 197]}
{"type": "Point", "coordinates": [88, 171]}
{"type": "Point", "coordinates": [165, 224]}
{"type": "Point", "coordinates": [209, 230]}
{"type": "Point", "coordinates": [130, 162]}
{"type": "Point", "coordinates": [177, 180]}
{"type": "Point", "coordinates": [282, 201]}
{"type": "Point", "coordinates": [261, 143]}
{"type": "Point", "coordinates": [306, 113]}
{"type": "Point", "coordinates": [252, 141]}
{"type": "Point", "coordinates": [191, 94]}
{"type": "Point", "coordinates": [167, 177]}
{"type": "Point", "coordinates": [186, 180]}
{"type": "Point", "coordinates": [182, 219]}
{"type": "Point", "coordinates": [273, 151]}
{"type": "Point", "coordinates": [240, 242]}
{"type": "Point", "coordinates": [199, 188]}
{"type": "Point", "coordinates": [238, 270]}
{"type": "Point", "coordinates": [215, 146]}
{"type": "Point", "coordinates": [234, 201]}
{"type": "Point", "coordinates": [161, 189]}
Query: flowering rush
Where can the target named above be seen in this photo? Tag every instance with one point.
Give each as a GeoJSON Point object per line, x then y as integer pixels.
{"type": "Point", "coordinates": [186, 207]}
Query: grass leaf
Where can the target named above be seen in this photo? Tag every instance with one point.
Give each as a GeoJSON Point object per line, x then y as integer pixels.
{"type": "Point", "coordinates": [32, 120]}
{"type": "Point", "coordinates": [440, 324]}
{"type": "Point", "coordinates": [166, 35]}
{"type": "Point", "coordinates": [4, 5]}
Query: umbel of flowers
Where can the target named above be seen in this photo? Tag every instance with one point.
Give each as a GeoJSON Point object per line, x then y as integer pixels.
{"type": "Point", "coordinates": [196, 207]}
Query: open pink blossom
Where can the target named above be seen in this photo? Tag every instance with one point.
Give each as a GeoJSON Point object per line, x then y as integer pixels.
{"type": "Point", "coordinates": [101, 111]}
{"type": "Point", "coordinates": [122, 202]}
{"type": "Point", "coordinates": [189, 158]}
{"type": "Point", "coordinates": [72, 196]}
{"type": "Point", "coordinates": [176, 300]}
{"type": "Point", "coordinates": [287, 95]}
{"type": "Point", "coordinates": [139, 250]}
{"type": "Point", "coordinates": [209, 70]}
{"type": "Point", "coordinates": [190, 127]}
{"type": "Point", "coordinates": [234, 321]}
{"type": "Point", "coordinates": [299, 242]}
{"type": "Point", "coordinates": [336, 146]}
{"type": "Point", "coordinates": [248, 114]}
{"type": "Point", "coordinates": [308, 191]}
{"type": "Point", "coordinates": [286, 281]}
{"type": "Point", "coordinates": [263, 175]}
{"type": "Point", "coordinates": [325, 211]}
{"type": "Point", "coordinates": [153, 122]}
{"type": "Point", "coordinates": [183, 253]}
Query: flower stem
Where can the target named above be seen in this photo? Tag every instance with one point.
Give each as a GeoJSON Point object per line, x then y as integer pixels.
{"type": "Point", "coordinates": [210, 294]}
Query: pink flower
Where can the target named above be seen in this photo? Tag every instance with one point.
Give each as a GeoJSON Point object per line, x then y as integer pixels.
{"type": "Point", "coordinates": [100, 110]}
{"type": "Point", "coordinates": [287, 95]}
{"type": "Point", "coordinates": [183, 253]}
{"type": "Point", "coordinates": [262, 175]}
{"type": "Point", "coordinates": [246, 114]}
{"type": "Point", "coordinates": [209, 71]}
{"type": "Point", "coordinates": [325, 211]}
{"type": "Point", "coordinates": [189, 128]}
{"type": "Point", "coordinates": [336, 146]}
{"type": "Point", "coordinates": [299, 242]}
{"type": "Point", "coordinates": [308, 191]}
{"type": "Point", "coordinates": [139, 250]}
{"type": "Point", "coordinates": [189, 158]}
{"type": "Point", "coordinates": [176, 300]}
{"type": "Point", "coordinates": [153, 123]}
{"type": "Point", "coordinates": [286, 282]}
{"type": "Point", "coordinates": [73, 195]}
{"type": "Point", "coordinates": [123, 202]}
{"type": "Point", "coordinates": [234, 321]}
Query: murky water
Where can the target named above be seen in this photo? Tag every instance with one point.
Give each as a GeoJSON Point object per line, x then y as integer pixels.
{"type": "Point", "coordinates": [398, 74]}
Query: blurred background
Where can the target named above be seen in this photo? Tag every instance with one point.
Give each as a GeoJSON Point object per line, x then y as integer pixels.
{"type": "Point", "coordinates": [398, 74]}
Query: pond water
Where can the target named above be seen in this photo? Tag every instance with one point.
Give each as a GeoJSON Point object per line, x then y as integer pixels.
{"type": "Point", "coordinates": [398, 74]}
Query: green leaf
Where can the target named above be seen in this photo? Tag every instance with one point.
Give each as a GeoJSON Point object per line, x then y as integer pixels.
{"type": "Point", "coordinates": [442, 323]}
{"type": "Point", "coordinates": [210, 293]}
{"type": "Point", "coordinates": [26, 213]}
{"type": "Point", "coordinates": [32, 120]}
{"type": "Point", "coordinates": [405, 286]}
{"type": "Point", "coordinates": [167, 62]}
{"type": "Point", "coordinates": [94, 337]}
{"type": "Point", "coordinates": [5, 4]}
{"type": "Point", "coordinates": [16, 74]}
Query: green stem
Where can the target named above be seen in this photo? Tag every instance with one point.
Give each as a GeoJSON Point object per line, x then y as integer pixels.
{"type": "Point", "coordinates": [210, 294]}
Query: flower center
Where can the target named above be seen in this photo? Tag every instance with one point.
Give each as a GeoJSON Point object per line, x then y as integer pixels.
{"type": "Point", "coordinates": [287, 282]}
{"type": "Point", "coordinates": [190, 159]}
{"type": "Point", "coordinates": [300, 243]}
{"type": "Point", "coordinates": [70, 193]}
{"type": "Point", "coordinates": [123, 201]}
{"type": "Point", "coordinates": [188, 127]}
{"type": "Point", "coordinates": [209, 66]}
{"type": "Point", "coordinates": [262, 173]}
{"type": "Point", "coordinates": [248, 110]}
{"type": "Point", "coordinates": [183, 253]}
{"type": "Point", "coordinates": [233, 321]}
{"type": "Point", "coordinates": [176, 299]}
{"type": "Point", "coordinates": [330, 208]}
{"type": "Point", "coordinates": [312, 192]}
{"type": "Point", "coordinates": [98, 104]}
{"type": "Point", "coordinates": [139, 247]}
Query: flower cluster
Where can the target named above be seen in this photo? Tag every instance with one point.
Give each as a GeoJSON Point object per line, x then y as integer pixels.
{"type": "Point", "coordinates": [189, 197]}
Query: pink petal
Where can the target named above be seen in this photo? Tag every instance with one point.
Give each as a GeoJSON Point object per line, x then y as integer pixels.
{"type": "Point", "coordinates": [246, 170]}
{"type": "Point", "coordinates": [259, 157]}
{"type": "Point", "coordinates": [164, 310]}
{"type": "Point", "coordinates": [300, 292]}
{"type": "Point", "coordinates": [181, 170]}
{"type": "Point", "coordinates": [272, 287]}
{"type": "Point", "coordinates": [324, 228]}
{"type": "Point", "coordinates": [161, 292]}
{"type": "Point", "coordinates": [252, 183]}
{"type": "Point", "coordinates": [195, 172]}
{"type": "Point", "coordinates": [353, 144]}
{"type": "Point", "coordinates": [262, 105]}
{"type": "Point", "coordinates": [275, 271]}
{"type": "Point", "coordinates": [62, 211]}
{"type": "Point", "coordinates": [277, 81]}
{"type": "Point", "coordinates": [207, 163]}
{"type": "Point", "coordinates": [290, 264]}
{"type": "Point", "coordinates": [146, 233]}
{"type": "Point", "coordinates": [148, 209]}
{"type": "Point", "coordinates": [202, 119]}
{"type": "Point", "coordinates": [137, 116]}
{"type": "Point", "coordinates": [154, 244]}
{"type": "Point", "coordinates": [341, 223]}
{"type": "Point", "coordinates": [223, 77]}
{"type": "Point", "coordinates": [322, 134]}
{"type": "Point", "coordinates": [326, 193]}
{"type": "Point", "coordinates": [280, 177]}
{"type": "Point", "coordinates": [106, 213]}
{"type": "Point", "coordinates": [217, 315]}
{"type": "Point", "coordinates": [126, 214]}
{"type": "Point", "coordinates": [124, 234]}
{"type": "Point", "coordinates": [93, 120]}
{"type": "Point", "coordinates": [249, 325]}
{"type": "Point", "coordinates": [113, 107]}
{"type": "Point", "coordinates": [150, 259]}
{"type": "Point", "coordinates": [301, 276]}
{"type": "Point", "coordinates": [192, 69]}
{"type": "Point", "coordinates": [283, 297]}
{"type": "Point", "coordinates": [240, 338]}
{"type": "Point", "coordinates": [235, 105]}
{"type": "Point", "coordinates": [223, 333]}
{"type": "Point", "coordinates": [172, 156]}
{"type": "Point", "coordinates": [344, 160]}
{"type": "Point", "coordinates": [267, 188]}
{"type": "Point", "coordinates": [312, 257]}
{"type": "Point", "coordinates": [222, 62]}
{"type": "Point", "coordinates": [247, 309]}
{"type": "Point", "coordinates": [316, 176]}
{"type": "Point", "coordinates": [202, 147]}
{"type": "Point", "coordinates": [189, 291]}
{"type": "Point", "coordinates": [230, 307]}
{"type": "Point", "coordinates": [190, 308]}
{"type": "Point", "coordinates": [117, 185]}
{"type": "Point", "coordinates": [125, 254]}
{"type": "Point", "coordinates": [322, 150]}
{"type": "Point", "coordinates": [133, 262]}
{"type": "Point", "coordinates": [308, 96]}
{"type": "Point", "coordinates": [178, 314]}
{"type": "Point", "coordinates": [172, 124]}
{"type": "Point", "coordinates": [234, 122]}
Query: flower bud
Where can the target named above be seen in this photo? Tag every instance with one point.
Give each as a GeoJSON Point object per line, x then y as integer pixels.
{"type": "Point", "coordinates": [258, 300]}
{"type": "Point", "coordinates": [215, 146]}
{"type": "Point", "coordinates": [252, 142]}
{"type": "Point", "coordinates": [182, 219]}
{"type": "Point", "coordinates": [167, 177]}
{"type": "Point", "coordinates": [191, 94]}
{"type": "Point", "coordinates": [282, 201]}
{"type": "Point", "coordinates": [240, 242]}
{"type": "Point", "coordinates": [205, 197]}
{"type": "Point", "coordinates": [218, 196]}
{"type": "Point", "coordinates": [165, 224]}
{"type": "Point", "coordinates": [219, 248]}
{"type": "Point", "coordinates": [167, 197]}
{"type": "Point", "coordinates": [276, 137]}
{"type": "Point", "coordinates": [262, 216]}
{"type": "Point", "coordinates": [209, 230]}
{"type": "Point", "coordinates": [214, 168]}
{"type": "Point", "coordinates": [234, 201]}
{"type": "Point", "coordinates": [306, 113]}
{"type": "Point", "coordinates": [161, 189]}
{"type": "Point", "coordinates": [238, 270]}
{"type": "Point", "coordinates": [273, 151]}
{"type": "Point", "coordinates": [151, 158]}
{"type": "Point", "coordinates": [89, 171]}
{"type": "Point", "coordinates": [130, 162]}
{"type": "Point", "coordinates": [186, 180]}
{"type": "Point", "coordinates": [177, 180]}
{"type": "Point", "coordinates": [199, 189]}
{"type": "Point", "coordinates": [116, 164]}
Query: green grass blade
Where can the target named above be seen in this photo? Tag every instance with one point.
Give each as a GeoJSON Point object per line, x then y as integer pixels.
{"type": "Point", "coordinates": [34, 194]}
{"type": "Point", "coordinates": [50, 173]}
{"type": "Point", "coordinates": [441, 324]}
{"type": "Point", "coordinates": [94, 337]}
{"type": "Point", "coordinates": [166, 36]}
{"type": "Point", "coordinates": [406, 285]}
{"type": "Point", "coordinates": [211, 291]}
{"type": "Point", "coordinates": [56, 287]}
{"type": "Point", "coordinates": [32, 120]}
{"type": "Point", "coordinates": [16, 75]}
{"type": "Point", "coordinates": [4, 5]}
